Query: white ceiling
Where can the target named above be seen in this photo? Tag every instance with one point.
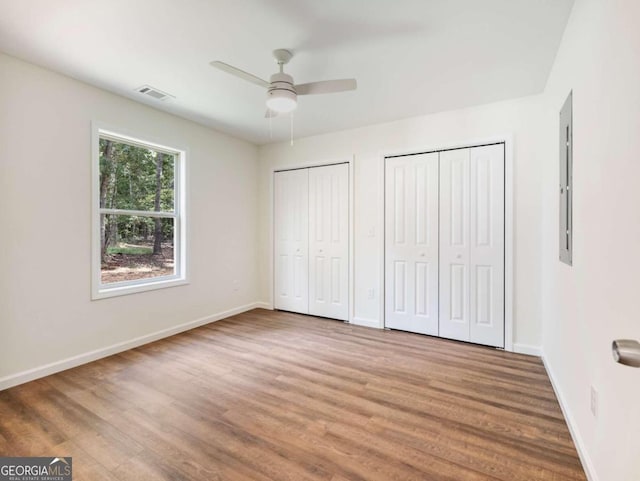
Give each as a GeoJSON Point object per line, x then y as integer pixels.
{"type": "Point", "coordinates": [410, 57]}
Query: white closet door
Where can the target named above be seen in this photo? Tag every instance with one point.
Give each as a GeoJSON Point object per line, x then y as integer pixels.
{"type": "Point", "coordinates": [472, 245]}
{"type": "Point", "coordinates": [454, 244]}
{"type": "Point", "coordinates": [487, 245]}
{"type": "Point", "coordinates": [329, 241]}
{"type": "Point", "coordinates": [411, 243]}
{"type": "Point", "coordinates": [291, 234]}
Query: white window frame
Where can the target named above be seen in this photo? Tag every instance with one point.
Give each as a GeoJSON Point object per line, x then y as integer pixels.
{"type": "Point", "coordinates": [100, 290]}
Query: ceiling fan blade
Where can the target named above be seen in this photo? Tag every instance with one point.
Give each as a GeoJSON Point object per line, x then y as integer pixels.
{"type": "Point", "coordinates": [240, 73]}
{"type": "Point", "coordinates": [269, 114]}
{"type": "Point", "coordinates": [326, 86]}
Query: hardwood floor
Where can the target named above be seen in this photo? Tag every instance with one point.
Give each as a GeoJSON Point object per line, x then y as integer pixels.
{"type": "Point", "coordinates": [276, 396]}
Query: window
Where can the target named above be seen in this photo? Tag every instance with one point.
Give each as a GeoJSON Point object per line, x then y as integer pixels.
{"type": "Point", "coordinates": [138, 221]}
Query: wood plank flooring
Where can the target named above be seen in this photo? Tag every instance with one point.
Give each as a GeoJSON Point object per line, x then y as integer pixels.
{"type": "Point", "coordinates": [276, 396]}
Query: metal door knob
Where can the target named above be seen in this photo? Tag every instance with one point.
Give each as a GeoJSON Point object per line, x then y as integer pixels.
{"type": "Point", "coordinates": [422, 254]}
{"type": "Point", "coordinates": [627, 352]}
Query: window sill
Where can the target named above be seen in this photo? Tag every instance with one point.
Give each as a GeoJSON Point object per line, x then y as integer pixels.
{"type": "Point", "coordinates": [122, 289]}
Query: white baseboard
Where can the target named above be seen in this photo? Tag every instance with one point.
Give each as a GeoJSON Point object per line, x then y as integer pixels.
{"type": "Point", "coordinates": [262, 305]}
{"type": "Point", "coordinates": [589, 470]}
{"type": "Point", "coordinates": [361, 321]}
{"type": "Point", "coordinates": [527, 349]}
{"type": "Point", "coordinates": [57, 366]}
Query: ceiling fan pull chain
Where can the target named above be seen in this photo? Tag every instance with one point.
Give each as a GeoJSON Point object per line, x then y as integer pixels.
{"type": "Point", "coordinates": [291, 114]}
{"type": "Point", "coordinates": [270, 127]}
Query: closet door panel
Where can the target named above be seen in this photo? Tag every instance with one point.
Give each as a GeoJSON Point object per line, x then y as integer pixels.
{"type": "Point", "coordinates": [454, 244]}
{"type": "Point", "coordinates": [411, 243]}
{"type": "Point", "coordinates": [291, 241]}
{"type": "Point", "coordinates": [329, 241]}
{"type": "Point", "coordinates": [487, 245]}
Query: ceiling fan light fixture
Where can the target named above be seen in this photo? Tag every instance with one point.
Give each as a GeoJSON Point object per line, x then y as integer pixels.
{"type": "Point", "coordinates": [282, 101]}
{"type": "Point", "coordinates": [281, 96]}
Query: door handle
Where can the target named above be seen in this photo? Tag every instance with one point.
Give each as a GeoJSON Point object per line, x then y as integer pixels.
{"type": "Point", "coordinates": [627, 352]}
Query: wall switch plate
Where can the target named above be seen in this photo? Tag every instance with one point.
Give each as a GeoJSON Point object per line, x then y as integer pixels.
{"type": "Point", "coordinates": [594, 402]}
{"type": "Point", "coordinates": [371, 294]}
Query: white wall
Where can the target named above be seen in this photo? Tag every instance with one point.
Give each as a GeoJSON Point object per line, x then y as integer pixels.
{"type": "Point", "coordinates": [46, 312]}
{"type": "Point", "coordinates": [519, 118]}
{"type": "Point", "coordinates": [595, 301]}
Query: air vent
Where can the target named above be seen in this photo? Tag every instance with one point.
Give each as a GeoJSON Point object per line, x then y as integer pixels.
{"type": "Point", "coordinates": [155, 93]}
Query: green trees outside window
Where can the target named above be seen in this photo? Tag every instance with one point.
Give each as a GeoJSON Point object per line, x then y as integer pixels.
{"type": "Point", "coordinates": [137, 203]}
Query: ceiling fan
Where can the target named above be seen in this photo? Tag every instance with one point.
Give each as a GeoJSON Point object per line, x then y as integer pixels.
{"type": "Point", "coordinates": [282, 93]}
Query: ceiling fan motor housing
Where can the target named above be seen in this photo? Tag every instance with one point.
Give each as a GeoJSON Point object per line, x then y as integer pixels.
{"type": "Point", "coordinates": [281, 95]}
